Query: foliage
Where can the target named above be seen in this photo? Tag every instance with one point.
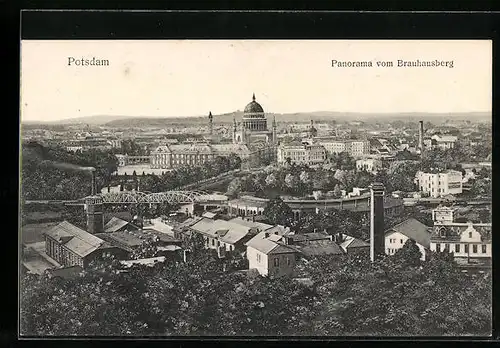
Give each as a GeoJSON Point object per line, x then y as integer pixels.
{"type": "Point", "coordinates": [278, 212]}
{"type": "Point", "coordinates": [349, 296]}
{"type": "Point", "coordinates": [343, 161]}
{"type": "Point", "coordinates": [234, 187]}
{"type": "Point", "coordinates": [189, 174]}
{"type": "Point", "coordinates": [409, 254]}
{"type": "Point", "coordinates": [41, 180]}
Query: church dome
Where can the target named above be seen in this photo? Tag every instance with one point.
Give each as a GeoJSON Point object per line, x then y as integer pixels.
{"type": "Point", "coordinates": [253, 107]}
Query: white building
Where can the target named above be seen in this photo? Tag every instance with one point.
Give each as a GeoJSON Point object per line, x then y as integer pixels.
{"type": "Point", "coordinates": [369, 164]}
{"type": "Point", "coordinates": [355, 148]}
{"type": "Point", "coordinates": [444, 142]}
{"type": "Point", "coordinates": [413, 229]}
{"type": "Point", "coordinates": [443, 215]}
{"type": "Point", "coordinates": [467, 241]}
{"type": "Point", "coordinates": [268, 254]}
{"type": "Point", "coordinates": [302, 154]}
{"type": "Point", "coordinates": [440, 184]}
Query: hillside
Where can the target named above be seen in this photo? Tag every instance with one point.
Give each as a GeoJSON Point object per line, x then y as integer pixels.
{"type": "Point", "coordinates": [300, 117]}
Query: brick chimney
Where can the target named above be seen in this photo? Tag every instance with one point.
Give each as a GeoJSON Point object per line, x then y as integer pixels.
{"type": "Point", "coordinates": [94, 204]}
{"type": "Point", "coordinates": [421, 136]}
{"type": "Point", "coordinates": [377, 238]}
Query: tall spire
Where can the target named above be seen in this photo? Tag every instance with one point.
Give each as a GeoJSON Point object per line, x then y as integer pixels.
{"type": "Point", "coordinates": [253, 97]}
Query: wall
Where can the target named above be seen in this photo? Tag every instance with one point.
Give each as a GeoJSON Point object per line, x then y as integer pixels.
{"type": "Point", "coordinates": [392, 248]}
{"type": "Point", "coordinates": [253, 263]}
{"type": "Point", "coordinates": [285, 266]}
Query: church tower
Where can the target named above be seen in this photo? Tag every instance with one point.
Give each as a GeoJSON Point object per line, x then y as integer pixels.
{"type": "Point", "coordinates": [313, 132]}
{"type": "Point", "coordinates": [235, 129]}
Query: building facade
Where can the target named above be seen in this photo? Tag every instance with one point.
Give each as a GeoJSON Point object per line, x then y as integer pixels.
{"type": "Point", "coordinates": [176, 155]}
{"type": "Point", "coordinates": [440, 184]}
{"type": "Point", "coordinates": [253, 126]}
{"type": "Point", "coordinates": [269, 256]}
{"type": "Point", "coordinates": [397, 236]}
{"type": "Point", "coordinates": [355, 148]}
{"type": "Point", "coordinates": [369, 164]}
{"type": "Point", "coordinates": [72, 246]}
{"type": "Point", "coordinates": [444, 142]}
{"type": "Point", "coordinates": [468, 242]}
{"type": "Point", "coordinates": [443, 215]}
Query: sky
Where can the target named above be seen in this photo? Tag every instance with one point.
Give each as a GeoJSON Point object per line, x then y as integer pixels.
{"type": "Point", "coordinates": [172, 78]}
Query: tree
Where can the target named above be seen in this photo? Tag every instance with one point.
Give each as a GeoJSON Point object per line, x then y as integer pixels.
{"type": "Point", "coordinates": [336, 191]}
{"type": "Point", "coordinates": [271, 180]}
{"type": "Point", "coordinates": [409, 254]}
{"type": "Point", "coordinates": [290, 181]}
{"type": "Point", "coordinates": [278, 212]}
{"type": "Point", "coordinates": [234, 188]}
{"type": "Point", "coordinates": [148, 248]}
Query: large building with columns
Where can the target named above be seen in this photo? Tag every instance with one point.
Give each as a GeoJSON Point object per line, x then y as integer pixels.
{"type": "Point", "coordinates": [172, 156]}
{"type": "Point", "coordinates": [253, 126]}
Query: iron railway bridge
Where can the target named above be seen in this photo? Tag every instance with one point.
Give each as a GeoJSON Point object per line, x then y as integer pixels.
{"type": "Point", "coordinates": [173, 197]}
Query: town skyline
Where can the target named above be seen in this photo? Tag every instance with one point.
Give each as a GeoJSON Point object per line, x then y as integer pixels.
{"type": "Point", "coordinates": [163, 79]}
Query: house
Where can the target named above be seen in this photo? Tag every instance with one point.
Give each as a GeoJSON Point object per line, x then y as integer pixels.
{"type": "Point", "coordinates": [118, 225]}
{"type": "Point", "coordinates": [369, 164]}
{"type": "Point", "coordinates": [225, 236]}
{"type": "Point", "coordinates": [267, 253]}
{"type": "Point", "coordinates": [438, 184]}
{"type": "Point", "coordinates": [444, 142]}
{"type": "Point", "coordinates": [132, 240]}
{"type": "Point", "coordinates": [313, 244]}
{"type": "Point", "coordinates": [469, 242]}
{"type": "Point", "coordinates": [353, 246]}
{"type": "Point", "coordinates": [397, 236]}
{"type": "Point", "coordinates": [443, 215]}
{"type": "Point", "coordinates": [72, 246]}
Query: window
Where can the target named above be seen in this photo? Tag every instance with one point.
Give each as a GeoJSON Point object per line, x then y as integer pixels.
{"type": "Point", "coordinates": [258, 258]}
{"type": "Point", "coordinates": [474, 248]}
{"type": "Point", "coordinates": [470, 234]}
{"type": "Point", "coordinates": [438, 248]}
{"type": "Point", "coordinates": [288, 261]}
{"type": "Point", "coordinates": [466, 247]}
{"type": "Point", "coordinates": [447, 247]}
{"type": "Point", "coordinates": [276, 262]}
{"type": "Point", "coordinates": [457, 248]}
{"type": "Point", "coordinates": [483, 248]}
{"type": "Point", "coordinates": [401, 241]}
{"type": "Point", "coordinates": [213, 241]}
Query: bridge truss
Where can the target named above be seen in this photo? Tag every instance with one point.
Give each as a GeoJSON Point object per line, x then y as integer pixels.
{"type": "Point", "coordinates": [173, 197]}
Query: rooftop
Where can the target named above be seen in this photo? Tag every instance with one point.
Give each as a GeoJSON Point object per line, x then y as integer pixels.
{"type": "Point", "coordinates": [413, 229]}
{"type": "Point", "coordinates": [270, 245]}
{"type": "Point", "coordinates": [115, 224]}
{"type": "Point", "coordinates": [75, 239]}
{"type": "Point", "coordinates": [318, 247]}
{"type": "Point", "coordinates": [233, 231]}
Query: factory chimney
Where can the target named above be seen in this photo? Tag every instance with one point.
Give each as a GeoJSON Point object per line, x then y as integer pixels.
{"type": "Point", "coordinates": [93, 190]}
{"type": "Point", "coordinates": [94, 207]}
{"type": "Point", "coordinates": [421, 136]}
{"type": "Point", "coordinates": [377, 238]}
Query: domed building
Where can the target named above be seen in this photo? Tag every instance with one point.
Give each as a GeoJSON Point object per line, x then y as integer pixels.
{"type": "Point", "coordinates": [253, 126]}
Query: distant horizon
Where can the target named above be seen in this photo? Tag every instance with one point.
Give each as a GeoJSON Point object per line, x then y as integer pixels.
{"type": "Point", "coordinates": [388, 114]}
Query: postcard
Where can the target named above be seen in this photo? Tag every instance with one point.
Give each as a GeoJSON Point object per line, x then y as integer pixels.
{"type": "Point", "coordinates": [255, 188]}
